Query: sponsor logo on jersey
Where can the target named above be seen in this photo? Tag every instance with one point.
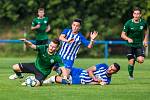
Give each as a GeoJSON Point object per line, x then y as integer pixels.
{"type": "Point", "coordinates": [132, 28]}
{"type": "Point", "coordinates": [52, 61]}
{"type": "Point", "coordinates": [45, 21]}
{"type": "Point", "coordinates": [141, 27]}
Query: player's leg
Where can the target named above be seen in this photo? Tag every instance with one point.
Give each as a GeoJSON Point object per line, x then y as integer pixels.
{"type": "Point", "coordinates": [57, 69]}
{"type": "Point", "coordinates": [56, 79]}
{"type": "Point", "coordinates": [67, 68]}
{"type": "Point", "coordinates": [131, 62]}
{"type": "Point", "coordinates": [17, 70]}
{"type": "Point", "coordinates": [73, 78]}
{"type": "Point", "coordinates": [39, 76]}
{"type": "Point", "coordinates": [140, 55]}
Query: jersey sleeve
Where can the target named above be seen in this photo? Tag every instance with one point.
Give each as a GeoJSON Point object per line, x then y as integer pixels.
{"type": "Point", "coordinates": [84, 41]}
{"type": "Point", "coordinates": [107, 80]}
{"type": "Point", "coordinates": [65, 31]}
{"type": "Point", "coordinates": [40, 47]}
{"type": "Point", "coordinates": [99, 66]}
{"type": "Point", "coordinates": [33, 23]}
{"type": "Point", "coordinates": [145, 26]}
{"type": "Point", "coordinates": [126, 27]}
{"type": "Point", "coordinates": [59, 61]}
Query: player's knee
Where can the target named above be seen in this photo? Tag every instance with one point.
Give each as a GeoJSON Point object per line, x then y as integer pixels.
{"type": "Point", "coordinates": [131, 61]}
{"type": "Point", "coordinates": [16, 67]}
{"type": "Point", "coordinates": [140, 59]}
{"type": "Point", "coordinates": [38, 83]}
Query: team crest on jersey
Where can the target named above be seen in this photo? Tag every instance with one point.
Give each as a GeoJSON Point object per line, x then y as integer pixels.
{"type": "Point", "coordinates": [141, 27]}
{"type": "Point", "coordinates": [45, 21]}
{"type": "Point", "coordinates": [52, 61]}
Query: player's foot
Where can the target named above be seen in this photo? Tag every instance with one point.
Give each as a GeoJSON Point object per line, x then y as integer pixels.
{"type": "Point", "coordinates": [24, 83]}
{"type": "Point", "coordinates": [49, 80]}
{"type": "Point", "coordinates": [67, 81]}
{"type": "Point", "coordinates": [131, 78]}
{"type": "Point", "coordinates": [14, 76]}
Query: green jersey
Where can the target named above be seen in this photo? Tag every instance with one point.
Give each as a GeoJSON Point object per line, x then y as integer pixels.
{"type": "Point", "coordinates": [45, 62]}
{"type": "Point", "coordinates": [135, 31]}
{"type": "Point", "coordinates": [40, 32]}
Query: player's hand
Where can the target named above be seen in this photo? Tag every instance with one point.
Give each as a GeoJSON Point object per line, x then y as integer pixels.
{"type": "Point", "coordinates": [70, 40]}
{"type": "Point", "coordinates": [48, 28]}
{"type": "Point", "coordinates": [130, 40]}
{"type": "Point", "coordinates": [102, 83]}
{"type": "Point", "coordinates": [23, 40]}
{"type": "Point", "coordinates": [93, 35]}
{"type": "Point", "coordinates": [145, 43]}
{"type": "Point", "coordinates": [37, 26]}
{"type": "Point", "coordinates": [95, 79]}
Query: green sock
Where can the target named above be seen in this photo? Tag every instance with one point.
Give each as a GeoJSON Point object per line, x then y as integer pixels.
{"type": "Point", "coordinates": [130, 70]}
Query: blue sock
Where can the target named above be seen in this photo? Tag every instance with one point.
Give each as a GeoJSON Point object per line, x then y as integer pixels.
{"type": "Point", "coordinates": [64, 81]}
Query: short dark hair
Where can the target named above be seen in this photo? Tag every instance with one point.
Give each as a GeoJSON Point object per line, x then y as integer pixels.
{"type": "Point", "coordinates": [78, 20]}
{"type": "Point", "coordinates": [117, 66]}
{"type": "Point", "coordinates": [41, 9]}
{"type": "Point", "coordinates": [136, 9]}
{"type": "Point", "coordinates": [56, 41]}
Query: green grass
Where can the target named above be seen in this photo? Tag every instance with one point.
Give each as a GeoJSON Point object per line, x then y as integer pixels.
{"type": "Point", "coordinates": [120, 89]}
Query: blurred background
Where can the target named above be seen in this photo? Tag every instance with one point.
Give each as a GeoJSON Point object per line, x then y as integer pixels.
{"type": "Point", "coordinates": [105, 16]}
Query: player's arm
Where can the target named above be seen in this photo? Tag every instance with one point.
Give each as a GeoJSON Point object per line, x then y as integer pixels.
{"type": "Point", "coordinates": [125, 37]}
{"type": "Point", "coordinates": [124, 33]}
{"type": "Point", "coordinates": [62, 38]}
{"type": "Point", "coordinates": [90, 71]}
{"type": "Point", "coordinates": [34, 25]}
{"type": "Point", "coordinates": [146, 34]}
{"type": "Point", "coordinates": [48, 28]}
{"type": "Point", "coordinates": [28, 43]}
{"type": "Point", "coordinates": [98, 83]}
{"type": "Point", "coordinates": [93, 35]}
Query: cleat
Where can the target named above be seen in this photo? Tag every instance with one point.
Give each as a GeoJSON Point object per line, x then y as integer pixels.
{"type": "Point", "coordinates": [131, 78]}
{"type": "Point", "coordinates": [68, 81]}
{"type": "Point", "coordinates": [49, 80]}
{"type": "Point", "coordinates": [14, 76]}
{"type": "Point", "coordinates": [24, 84]}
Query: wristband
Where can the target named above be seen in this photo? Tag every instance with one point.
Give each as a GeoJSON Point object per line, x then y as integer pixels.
{"type": "Point", "coordinates": [92, 40]}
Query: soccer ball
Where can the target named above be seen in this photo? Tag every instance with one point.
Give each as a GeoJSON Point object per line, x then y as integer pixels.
{"type": "Point", "coordinates": [30, 81]}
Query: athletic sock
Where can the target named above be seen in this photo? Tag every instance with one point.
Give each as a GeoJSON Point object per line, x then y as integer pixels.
{"type": "Point", "coordinates": [65, 81]}
{"type": "Point", "coordinates": [18, 73]}
{"type": "Point", "coordinates": [58, 71]}
{"type": "Point", "coordinates": [130, 70]}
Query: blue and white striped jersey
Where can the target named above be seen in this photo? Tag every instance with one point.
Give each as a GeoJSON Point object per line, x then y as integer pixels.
{"type": "Point", "coordinates": [69, 51]}
{"type": "Point", "coordinates": [100, 73]}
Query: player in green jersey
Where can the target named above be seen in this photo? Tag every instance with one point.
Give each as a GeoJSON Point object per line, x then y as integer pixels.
{"type": "Point", "coordinates": [135, 32]}
{"type": "Point", "coordinates": [41, 27]}
{"type": "Point", "coordinates": [47, 57]}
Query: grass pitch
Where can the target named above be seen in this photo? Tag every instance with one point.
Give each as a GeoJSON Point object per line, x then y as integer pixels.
{"type": "Point", "coordinates": [120, 88]}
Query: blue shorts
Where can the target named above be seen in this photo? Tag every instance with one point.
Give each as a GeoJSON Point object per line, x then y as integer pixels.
{"type": "Point", "coordinates": [75, 73]}
{"type": "Point", "coordinates": [68, 63]}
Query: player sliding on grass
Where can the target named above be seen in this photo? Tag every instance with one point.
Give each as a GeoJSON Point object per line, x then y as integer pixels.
{"type": "Point", "coordinates": [46, 59]}
{"type": "Point", "coordinates": [97, 74]}
{"type": "Point", "coordinates": [136, 34]}
{"type": "Point", "coordinates": [71, 41]}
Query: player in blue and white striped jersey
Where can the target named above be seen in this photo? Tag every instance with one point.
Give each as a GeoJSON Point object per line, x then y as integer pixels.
{"type": "Point", "coordinates": [97, 74]}
{"type": "Point", "coordinates": [71, 41]}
